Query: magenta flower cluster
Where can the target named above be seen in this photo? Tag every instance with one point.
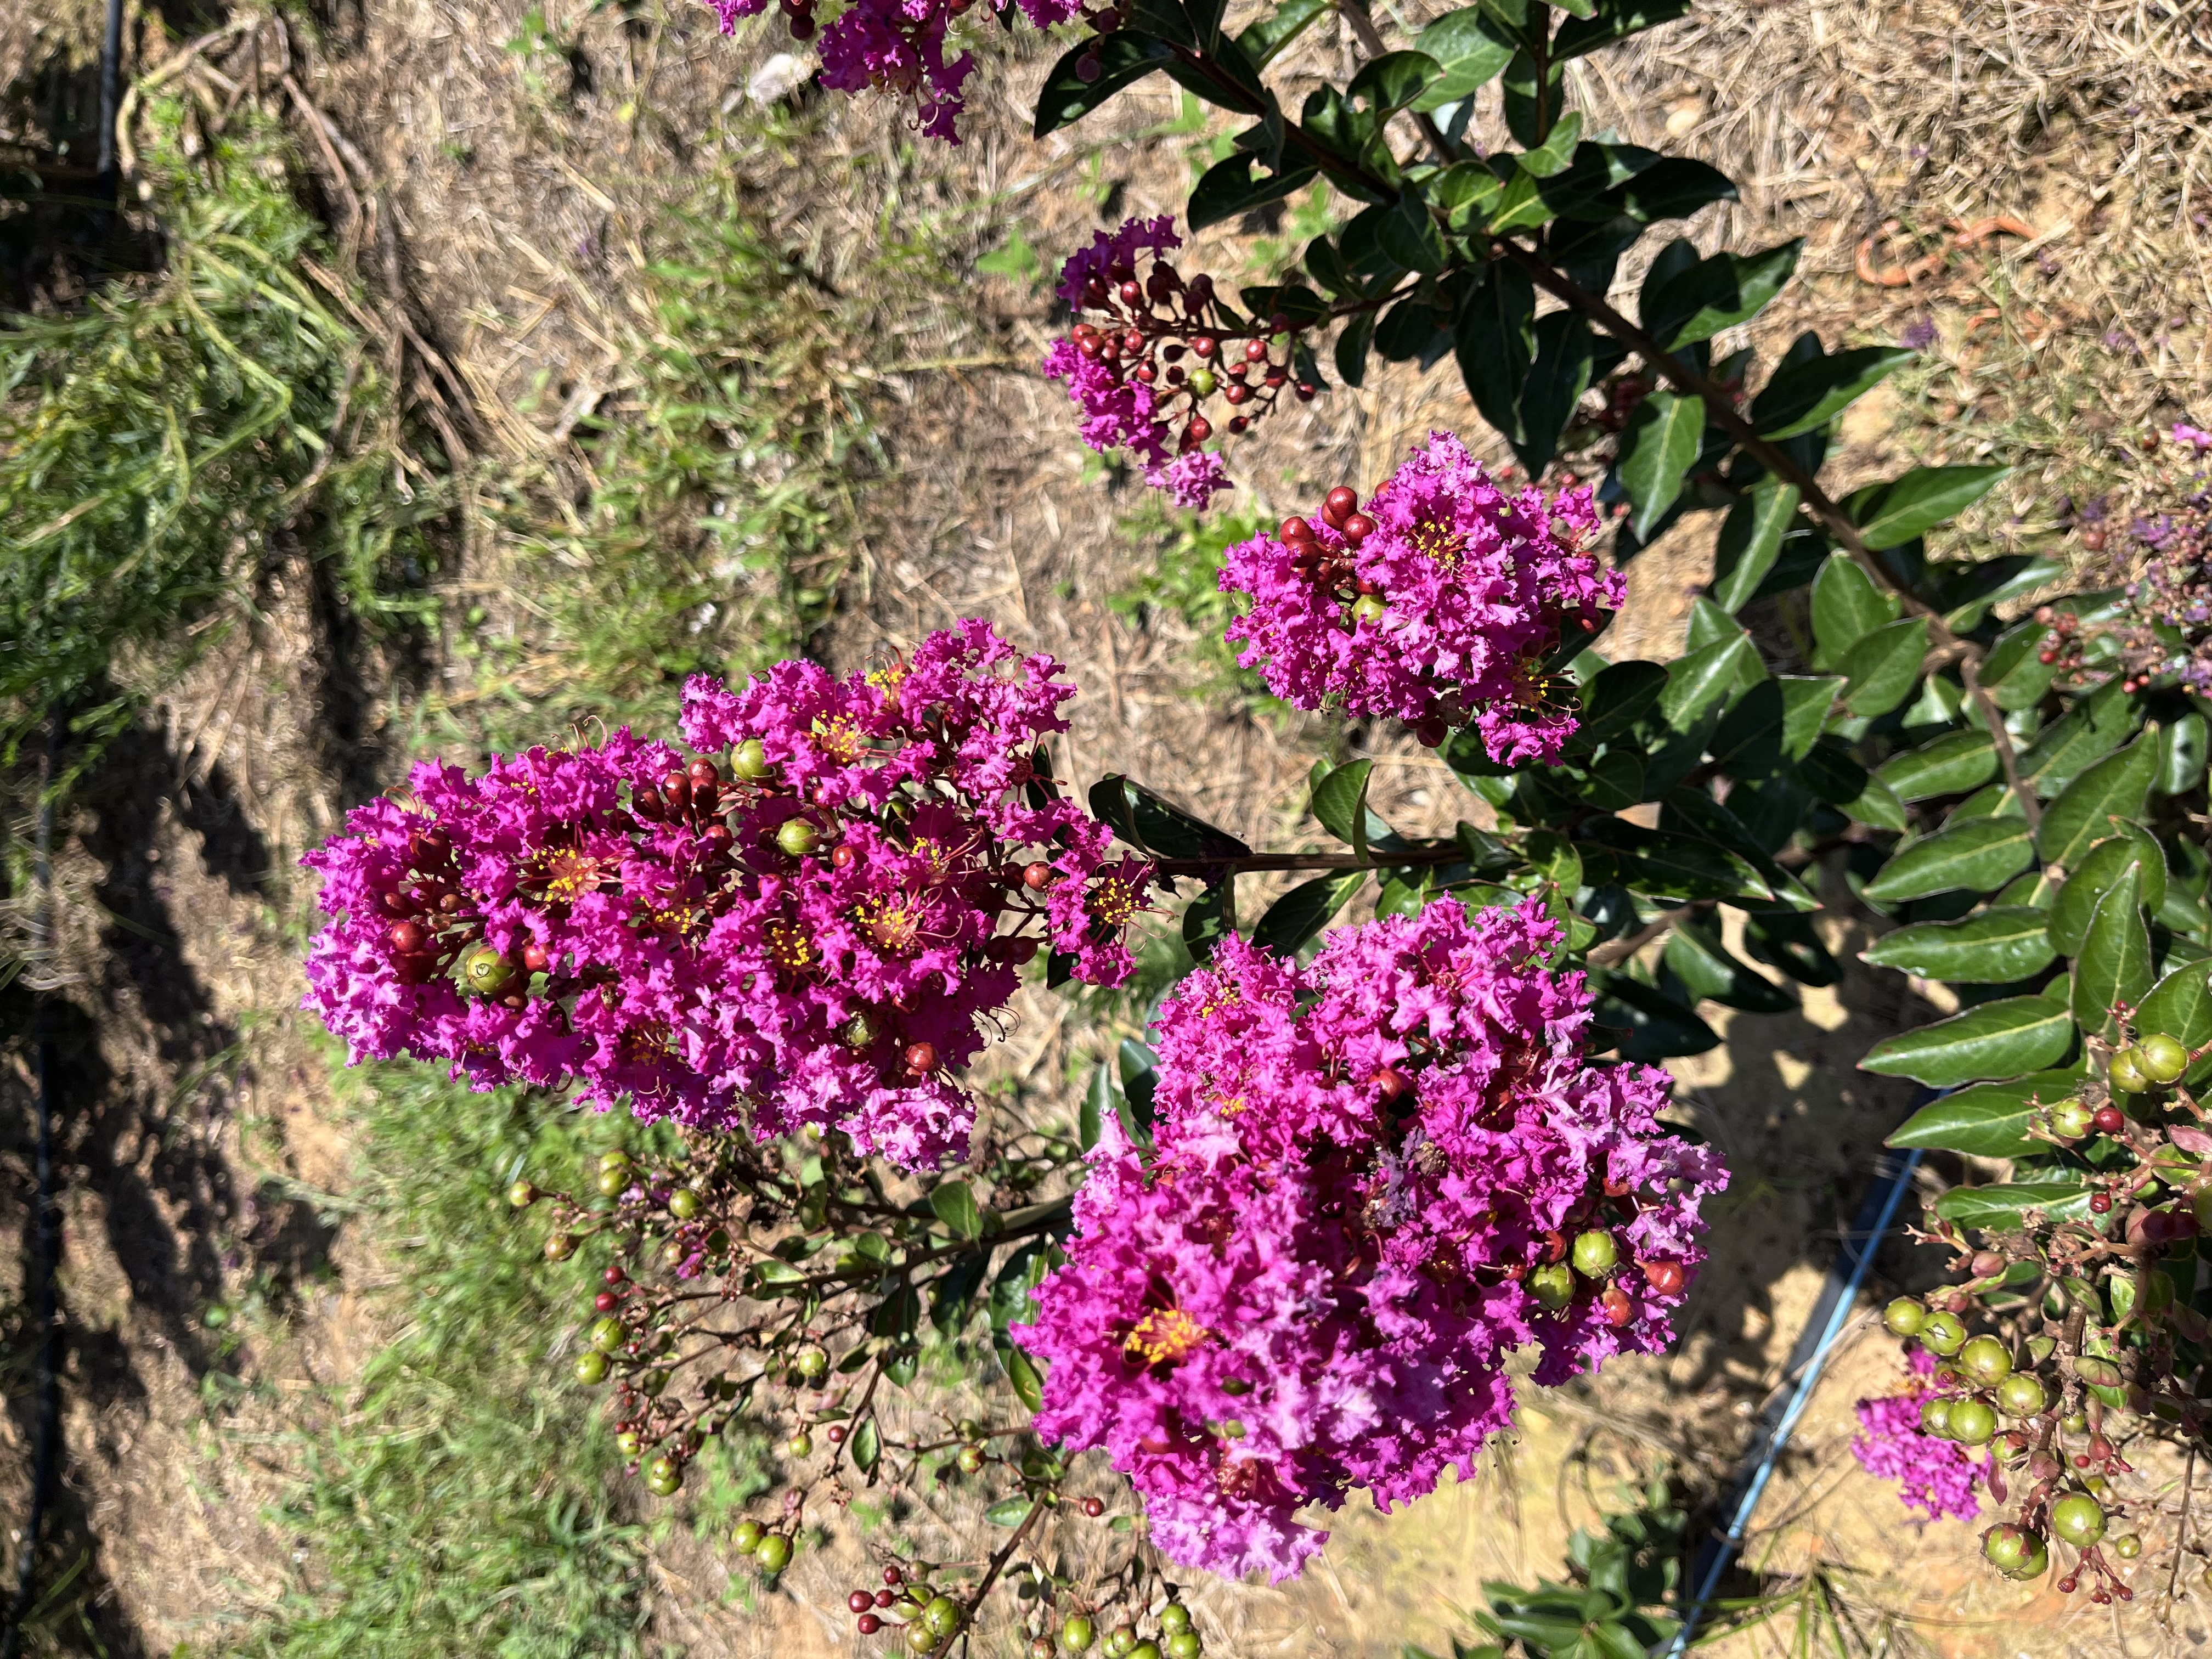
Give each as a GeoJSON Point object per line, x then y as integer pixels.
{"type": "Point", "coordinates": [1437, 603]}
{"type": "Point", "coordinates": [819, 931]}
{"type": "Point", "coordinates": [1370, 1177]}
{"type": "Point", "coordinates": [1119, 410]}
{"type": "Point", "coordinates": [1935, 1476]}
{"type": "Point", "coordinates": [897, 46]}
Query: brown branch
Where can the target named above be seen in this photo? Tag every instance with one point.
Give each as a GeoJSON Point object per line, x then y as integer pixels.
{"type": "Point", "coordinates": [1621, 950]}
{"type": "Point", "coordinates": [998, 1565]}
{"type": "Point", "coordinates": [1970, 671]}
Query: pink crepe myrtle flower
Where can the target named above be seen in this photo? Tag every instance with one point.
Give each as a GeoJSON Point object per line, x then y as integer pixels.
{"type": "Point", "coordinates": [1368, 1175]}
{"type": "Point", "coordinates": [1437, 605]}
{"type": "Point", "coordinates": [1935, 1476]}
{"type": "Point", "coordinates": [825, 937]}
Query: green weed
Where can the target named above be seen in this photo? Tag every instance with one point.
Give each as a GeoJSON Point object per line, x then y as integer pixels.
{"type": "Point", "coordinates": [1184, 581]}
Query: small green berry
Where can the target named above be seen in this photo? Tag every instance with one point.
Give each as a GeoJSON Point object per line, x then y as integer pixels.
{"type": "Point", "coordinates": [2078, 1520]}
{"type": "Point", "coordinates": [746, 1536]}
{"type": "Point", "coordinates": [1184, 1644]}
{"type": "Point", "coordinates": [942, 1615]}
{"type": "Point", "coordinates": [612, 1182]}
{"type": "Point", "coordinates": [1942, 1334]}
{"type": "Point", "coordinates": [801, 1444]}
{"type": "Point", "coordinates": [1972, 1423]}
{"type": "Point", "coordinates": [1986, 1361]}
{"type": "Point", "coordinates": [662, 1475]}
{"type": "Point", "coordinates": [488, 971]}
{"type": "Point", "coordinates": [591, 1368]}
{"type": "Point", "coordinates": [811, 1364]}
{"type": "Point", "coordinates": [1202, 382]}
{"type": "Point", "coordinates": [1594, 1253]}
{"type": "Point", "coordinates": [774, 1553]}
{"type": "Point", "coordinates": [2071, 1120]}
{"type": "Point", "coordinates": [1553, 1285]}
{"type": "Point", "coordinates": [1175, 1616]}
{"type": "Point", "coordinates": [798, 837]}
{"type": "Point", "coordinates": [2125, 1073]}
{"type": "Point", "coordinates": [748, 761]}
{"type": "Point", "coordinates": [1077, 1635]}
{"type": "Point", "coordinates": [2127, 1546]}
{"type": "Point", "coordinates": [2021, 1395]}
{"type": "Point", "coordinates": [522, 1195]}
{"type": "Point", "coordinates": [1145, 1650]}
{"type": "Point", "coordinates": [1904, 1316]}
{"type": "Point", "coordinates": [628, 1444]}
{"type": "Point", "coordinates": [1368, 607]}
{"type": "Point", "coordinates": [559, 1247]}
{"type": "Point", "coordinates": [1935, 1416]}
{"type": "Point", "coordinates": [1120, 1640]}
{"type": "Point", "coordinates": [607, 1334]}
{"type": "Point", "coordinates": [2160, 1059]}
{"type": "Point", "coordinates": [684, 1204]}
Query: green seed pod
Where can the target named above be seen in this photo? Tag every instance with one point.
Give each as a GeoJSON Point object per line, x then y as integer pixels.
{"type": "Point", "coordinates": [1184, 1644]}
{"type": "Point", "coordinates": [487, 971]}
{"type": "Point", "coordinates": [2125, 1073]}
{"type": "Point", "coordinates": [591, 1368]}
{"type": "Point", "coordinates": [2074, 1423]}
{"type": "Point", "coordinates": [746, 1537]}
{"type": "Point", "coordinates": [2160, 1059]}
{"type": "Point", "coordinates": [1973, 1422]}
{"type": "Point", "coordinates": [2072, 1119]}
{"type": "Point", "coordinates": [1942, 1335]}
{"type": "Point", "coordinates": [2078, 1520]}
{"type": "Point", "coordinates": [628, 1442]}
{"type": "Point", "coordinates": [2034, 1563]}
{"type": "Point", "coordinates": [662, 1475]}
{"type": "Point", "coordinates": [684, 1204]}
{"type": "Point", "coordinates": [798, 837]}
{"type": "Point", "coordinates": [652, 1383]}
{"type": "Point", "coordinates": [1368, 607]}
{"type": "Point", "coordinates": [1553, 1285]}
{"type": "Point", "coordinates": [858, 1031]}
{"type": "Point", "coordinates": [970, 1460]}
{"type": "Point", "coordinates": [920, 1638]}
{"type": "Point", "coordinates": [2021, 1395]}
{"type": "Point", "coordinates": [1935, 1416]}
{"type": "Point", "coordinates": [2006, 1548]}
{"type": "Point", "coordinates": [811, 1364]}
{"type": "Point", "coordinates": [612, 1182]}
{"type": "Point", "coordinates": [2127, 1546]}
{"type": "Point", "coordinates": [1594, 1253]}
{"type": "Point", "coordinates": [1145, 1650]}
{"type": "Point", "coordinates": [801, 1444]}
{"type": "Point", "coordinates": [607, 1334]}
{"type": "Point", "coordinates": [748, 761]}
{"type": "Point", "coordinates": [1904, 1316]}
{"type": "Point", "coordinates": [1120, 1640]}
{"type": "Point", "coordinates": [522, 1195]}
{"type": "Point", "coordinates": [1175, 1616]}
{"type": "Point", "coordinates": [942, 1614]}
{"type": "Point", "coordinates": [1077, 1635]}
{"type": "Point", "coordinates": [559, 1247]}
{"type": "Point", "coordinates": [617, 1159]}
{"type": "Point", "coordinates": [1985, 1361]}
{"type": "Point", "coordinates": [1202, 382]}
{"type": "Point", "coordinates": [774, 1553]}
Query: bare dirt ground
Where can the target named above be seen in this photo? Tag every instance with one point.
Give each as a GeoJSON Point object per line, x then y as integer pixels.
{"type": "Point", "coordinates": [522, 177]}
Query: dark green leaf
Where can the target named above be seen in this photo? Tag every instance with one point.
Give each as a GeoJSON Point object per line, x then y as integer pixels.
{"type": "Point", "coordinates": [1206, 921]}
{"type": "Point", "coordinates": [1705, 679]}
{"type": "Point", "coordinates": [1466, 191]}
{"type": "Point", "coordinates": [1673, 188]}
{"type": "Point", "coordinates": [1997, 947]}
{"type": "Point", "coordinates": [1663, 437]}
{"type": "Point", "coordinates": [1470, 48]}
{"type": "Point", "coordinates": [1954, 763]}
{"type": "Point", "coordinates": [1880, 669]}
{"type": "Point", "coordinates": [1657, 1027]}
{"type": "Point", "coordinates": [1751, 537]}
{"type": "Point", "coordinates": [1789, 941]}
{"type": "Point", "coordinates": [1876, 805]}
{"type": "Point", "coordinates": [1097, 1106]}
{"type": "Point", "coordinates": [1847, 606]}
{"type": "Point", "coordinates": [1123, 58]}
{"type": "Point", "coordinates": [2098, 872]}
{"type": "Point", "coordinates": [1496, 335]}
{"type": "Point", "coordinates": [955, 1204]}
{"type": "Point", "coordinates": [1832, 772]}
{"type": "Point", "coordinates": [1702, 963]}
{"type": "Point", "coordinates": [2180, 1006]}
{"type": "Point", "coordinates": [1027, 1374]}
{"type": "Point", "coordinates": [1891, 514]}
{"type": "Point", "coordinates": [1229, 189]}
{"type": "Point", "coordinates": [1388, 83]}
{"type": "Point", "coordinates": [1612, 20]}
{"type": "Point", "coordinates": [1677, 867]}
{"type": "Point", "coordinates": [867, 1445]}
{"type": "Point", "coordinates": [2015, 674]}
{"type": "Point", "coordinates": [1979, 856]}
{"type": "Point", "coordinates": [2094, 728]}
{"type": "Point", "coordinates": [1409, 236]}
{"type": "Point", "coordinates": [1340, 801]}
{"type": "Point", "coordinates": [1989, 1120]}
{"type": "Point", "coordinates": [1617, 698]}
{"type": "Point", "coordinates": [2181, 754]}
{"type": "Point", "coordinates": [1352, 349]}
{"type": "Point", "coordinates": [1303, 912]}
{"type": "Point", "coordinates": [1553, 156]}
{"type": "Point", "coordinates": [1994, 1040]}
{"type": "Point", "coordinates": [1806, 701]}
{"type": "Point", "coordinates": [1809, 394]}
{"type": "Point", "coordinates": [1152, 823]}
{"type": "Point", "coordinates": [2001, 1209]}
{"type": "Point", "coordinates": [1011, 1511]}
{"type": "Point", "coordinates": [2115, 787]}
{"type": "Point", "coordinates": [2114, 964]}
{"type": "Point", "coordinates": [1557, 381]}
{"type": "Point", "coordinates": [1272, 32]}
{"type": "Point", "coordinates": [1749, 743]}
{"type": "Point", "coordinates": [1715, 293]}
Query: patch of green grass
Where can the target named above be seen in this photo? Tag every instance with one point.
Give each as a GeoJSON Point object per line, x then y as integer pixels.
{"type": "Point", "coordinates": [1184, 581]}
{"type": "Point", "coordinates": [463, 1497]}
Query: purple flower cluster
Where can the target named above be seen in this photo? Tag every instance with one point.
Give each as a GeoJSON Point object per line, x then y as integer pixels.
{"type": "Point", "coordinates": [1437, 605]}
{"type": "Point", "coordinates": [1936, 1477]}
{"type": "Point", "coordinates": [810, 934]}
{"type": "Point", "coordinates": [1115, 384]}
{"type": "Point", "coordinates": [897, 46]}
{"type": "Point", "coordinates": [1374, 1177]}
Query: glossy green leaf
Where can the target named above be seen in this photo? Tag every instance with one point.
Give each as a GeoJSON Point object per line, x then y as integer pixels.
{"type": "Point", "coordinates": [1394, 80]}
{"type": "Point", "coordinates": [1847, 606]}
{"type": "Point", "coordinates": [1677, 867]}
{"type": "Point", "coordinates": [1351, 348]}
{"type": "Point", "coordinates": [1994, 948]}
{"type": "Point", "coordinates": [2114, 964]}
{"type": "Point", "coordinates": [1891, 514]}
{"type": "Point", "coordinates": [1715, 293]}
{"type": "Point", "coordinates": [1807, 700]}
{"type": "Point", "coordinates": [1617, 698]}
{"type": "Point", "coordinates": [1979, 856]}
{"type": "Point", "coordinates": [1097, 1106]}
{"type": "Point", "coordinates": [1876, 805]}
{"type": "Point", "coordinates": [2093, 729]}
{"type": "Point", "coordinates": [1807, 394]}
{"type": "Point", "coordinates": [1880, 669]}
{"type": "Point", "coordinates": [1495, 337]}
{"type": "Point", "coordinates": [1704, 679]}
{"type": "Point", "coordinates": [867, 1447]}
{"type": "Point", "coordinates": [1340, 801]}
{"type": "Point", "coordinates": [2013, 673]}
{"type": "Point", "coordinates": [1557, 379]}
{"type": "Point", "coordinates": [1832, 772]}
{"type": "Point", "coordinates": [2130, 846]}
{"type": "Point", "coordinates": [1272, 33]}
{"type": "Point", "coordinates": [1409, 234]}
{"type": "Point", "coordinates": [2115, 787]}
{"type": "Point", "coordinates": [1470, 48]}
{"type": "Point", "coordinates": [2181, 754]}
{"type": "Point", "coordinates": [2181, 1006]}
{"type": "Point", "coordinates": [1954, 763]}
{"type": "Point", "coordinates": [955, 1204]}
{"type": "Point", "coordinates": [1749, 743]}
{"type": "Point", "coordinates": [1552, 157]}
{"type": "Point", "coordinates": [1303, 912]}
{"type": "Point", "coordinates": [1152, 823]}
{"type": "Point", "coordinates": [2004, 1208]}
{"type": "Point", "coordinates": [1207, 920]}
{"type": "Point", "coordinates": [1993, 1041]}
{"type": "Point", "coordinates": [1675, 187]}
{"type": "Point", "coordinates": [1708, 972]}
{"type": "Point", "coordinates": [1988, 1120]}
{"type": "Point", "coordinates": [1123, 58]}
{"type": "Point", "coordinates": [1656, 1026]}
{"type": "Point", "coordinates": [1229, 189]}
{"type": "Point", "coordinates": [1751, 537]}
{"type": "Point", "coordinates": [1611, 20]}
{"type": "Point", "coordinates": [1663, 437]}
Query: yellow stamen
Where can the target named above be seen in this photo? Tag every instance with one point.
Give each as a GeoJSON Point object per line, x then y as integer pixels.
{"type": "Point", "coordinates": [1166, 1336]}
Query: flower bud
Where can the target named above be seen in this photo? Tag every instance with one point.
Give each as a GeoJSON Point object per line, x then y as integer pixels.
{"type": "Point", "coordinates": [1594, 1253]}
{"type": "Point", "coordinates": [2160, 1059]}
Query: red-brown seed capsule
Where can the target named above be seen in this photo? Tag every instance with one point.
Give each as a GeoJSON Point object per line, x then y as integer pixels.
{"type": "Point", "coordinates": [1665, 1278]}
{"type": "Point", "coordinates": [920, 1058]}
{"type": "Point", "coordinates": [1337, 507]}
{"type": "Point", "coordinates": [1036, 877]}
{"type": "Point", "coordinates": [1358, 528]}
{"type": "Point", "coordinates": [841, 856]}
{"type": "Point", "coordinates": [703, 771]}
{"type": "Point", "coordinates": [1618, 1308]}
{"type": "Point", "coordinates": [534, 958]}
{"type": "Point", "coordinates": [407, 937]}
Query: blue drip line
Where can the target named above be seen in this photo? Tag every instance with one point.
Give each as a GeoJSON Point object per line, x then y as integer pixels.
{"type": "Point", "coordinates": [1846, 1279]}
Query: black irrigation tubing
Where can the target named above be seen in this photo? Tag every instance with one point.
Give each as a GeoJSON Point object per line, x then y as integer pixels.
{"type": "Point", "coordinates": [1808, 1360]}
{"type": "Point", "coordinates": [47, 1220]}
